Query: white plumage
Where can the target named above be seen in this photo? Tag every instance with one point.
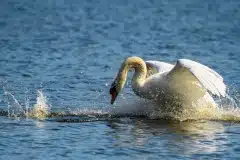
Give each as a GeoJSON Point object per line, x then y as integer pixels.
{"type": "Point", "coordinates": [183, 85]}
{"type": "Point", "coordinates": [207, 77]}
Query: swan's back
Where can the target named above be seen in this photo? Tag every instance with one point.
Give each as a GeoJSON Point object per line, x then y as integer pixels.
{"type": "Point", "coordinates": [186, 82]}
{"type": "Point", "coordinates": [154, 67]}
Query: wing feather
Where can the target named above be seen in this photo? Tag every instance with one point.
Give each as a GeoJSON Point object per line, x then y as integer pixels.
{"type": "Point", "coordinates": [207, 77]}
{"type": "Point", "coordinates": [158, 67]}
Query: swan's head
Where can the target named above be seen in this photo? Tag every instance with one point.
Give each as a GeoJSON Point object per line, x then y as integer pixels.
{"type": "Point", "coordinates": [113, 92]}
{"type": "Point", "coordinates": [118, 84]}
{"type": "Point", "coordinates": [116, 87]}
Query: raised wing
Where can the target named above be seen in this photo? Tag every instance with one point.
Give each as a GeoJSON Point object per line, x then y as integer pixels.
{"type": "Point", "coordinates": [208, 78]}
{"type": "Point", "coordinates": [154, 67]}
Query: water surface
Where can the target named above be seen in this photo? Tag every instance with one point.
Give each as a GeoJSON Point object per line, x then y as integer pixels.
{"type": "Point", "coordinates": [72, 51]}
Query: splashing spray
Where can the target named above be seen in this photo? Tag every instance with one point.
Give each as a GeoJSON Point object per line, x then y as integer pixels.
{"type": "Point", "coordinates": [41, 109]}
{"type": "Point", "coordinates": [14, 107]}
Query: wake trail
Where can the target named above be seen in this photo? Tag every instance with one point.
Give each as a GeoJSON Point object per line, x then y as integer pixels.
{"type": "Point", "coordinates": [227, 110]}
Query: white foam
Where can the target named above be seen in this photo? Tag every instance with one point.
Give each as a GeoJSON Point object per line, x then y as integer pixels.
{"type": "Point", "coordinates": [227, 110]}
{"type": "Point", "coordinates": [41, 109]}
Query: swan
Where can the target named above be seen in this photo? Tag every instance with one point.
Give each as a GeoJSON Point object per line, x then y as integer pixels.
{"type": "Point", "coordinates": [185, 84]}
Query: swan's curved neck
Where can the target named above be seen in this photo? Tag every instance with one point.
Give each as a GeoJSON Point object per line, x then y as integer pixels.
{"type": "Point", "coordinates": [139, 76]}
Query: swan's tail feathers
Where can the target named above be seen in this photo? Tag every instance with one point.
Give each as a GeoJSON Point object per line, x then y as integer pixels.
{"type": "Point", "coordinates": [208, 78]}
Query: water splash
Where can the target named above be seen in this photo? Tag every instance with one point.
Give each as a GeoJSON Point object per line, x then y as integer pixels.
{"type": "Point", "coordinates": [27, 107]}
{"type": "Point", "coordinates": [14, 107]}
{"type": "Point", "coordinates": [41, 109]}
{"type": "Point", "coordinates": [227, 110]}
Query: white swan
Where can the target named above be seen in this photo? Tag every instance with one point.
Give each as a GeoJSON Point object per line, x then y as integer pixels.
{"type": "Point", "coordinates": [186, 83]}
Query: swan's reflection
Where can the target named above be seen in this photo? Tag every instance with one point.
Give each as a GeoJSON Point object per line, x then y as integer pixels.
{"type": "Point", "coordinates": [188, 137]}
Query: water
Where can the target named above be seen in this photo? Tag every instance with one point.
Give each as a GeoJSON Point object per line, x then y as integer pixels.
{"type": "Point", "coordinates": [61, 56]}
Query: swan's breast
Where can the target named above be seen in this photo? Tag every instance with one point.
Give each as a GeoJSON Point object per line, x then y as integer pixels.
{"type": "Point", "coordinates": [154, 86]}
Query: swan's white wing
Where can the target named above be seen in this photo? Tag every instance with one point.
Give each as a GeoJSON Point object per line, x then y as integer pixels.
{"type": "Point", "coordinates": [207, 77]}
{"type": "Point", "coordinates": [154, 67]}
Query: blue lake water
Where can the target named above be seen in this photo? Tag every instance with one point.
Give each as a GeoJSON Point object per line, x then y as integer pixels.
{"type": "Point", "coordinates": [72, 50]}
